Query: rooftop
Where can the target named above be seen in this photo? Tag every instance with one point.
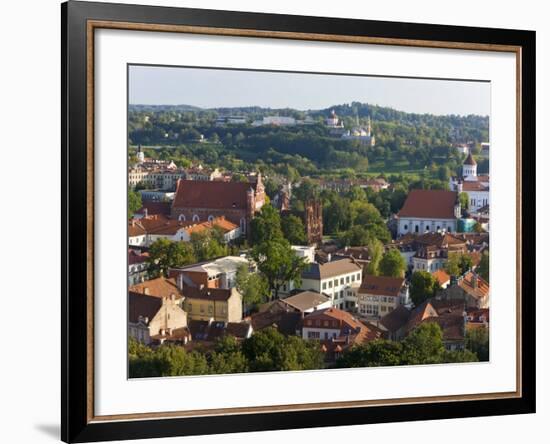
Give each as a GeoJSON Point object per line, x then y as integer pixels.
{"type": "Point", "coordinates": [212, 194]}
{"type": "Point", "coordinates": [330, 269]}
{"type": "Point", "coordinates": [306, 300]}
{"type": "Point", "coordinates": [436, 204]}
{"type": "Point", "coordinates": [381, 285]}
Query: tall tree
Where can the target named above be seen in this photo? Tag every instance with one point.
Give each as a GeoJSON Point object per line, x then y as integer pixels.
{"type": "Point", "coordinates": [164, 254]}
{"type": "Point", "coordinates": [278, 262]}
{"type": "Point", "coordinates": [206, 245]}
{"type": "Point", "coordinates": [423, 286]}
{"type": "Point", "coordinates": [134, 202]}
{"type": "Point", "coordinates": [266, 226]}
{"type": "Point", "coordinates": [483, 267]}
{"type": "Point", "coordinates": [392, 264]}
{"type": "Point", "coordinates": [376, 251]}
{"type": "Point", "coordinates": [252, 286]}
{"type": "Point", "coordinates": [293, 229]}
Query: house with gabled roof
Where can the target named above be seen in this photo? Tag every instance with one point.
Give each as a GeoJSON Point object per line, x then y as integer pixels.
{"type": "Point", "coordinates": [426, 211]}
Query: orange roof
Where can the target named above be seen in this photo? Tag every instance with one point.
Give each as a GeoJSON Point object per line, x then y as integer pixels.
{"type": "Point", "coordinates": [441, 276]}
{"type": "Point", "coordinates": [159, 288]}
{"type": "Point", "coordinates": [437, 204]}
{"type": "Point", "coordinates": [477, 290]}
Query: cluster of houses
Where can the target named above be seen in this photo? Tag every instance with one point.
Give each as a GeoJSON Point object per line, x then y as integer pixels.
{"type": "Point", "coordinates": [336, 302]}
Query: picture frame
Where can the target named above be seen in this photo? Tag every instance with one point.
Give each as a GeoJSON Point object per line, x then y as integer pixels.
{"type": "Point", "coordinates": [80, 20]}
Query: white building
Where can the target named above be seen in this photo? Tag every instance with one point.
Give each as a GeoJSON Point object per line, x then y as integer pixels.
{"type": "Point", "coordinates": [429, 211]}
{"type": "Point", "coordinates": [218, 273]}
{"type": "Point", "coordinates": [305, 251]}
{"type": "Point", "coordinates": [476, 186]}
{"type": "Point", "coordinates": [333, 279]}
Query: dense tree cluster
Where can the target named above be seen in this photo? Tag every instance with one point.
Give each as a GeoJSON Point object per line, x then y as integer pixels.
{"type": "Point", "coordinates": [424, 345]}
{"type": "Point", "coordinates": [266, 350]}
{"type": "Point", "coordinates": [404, 141]}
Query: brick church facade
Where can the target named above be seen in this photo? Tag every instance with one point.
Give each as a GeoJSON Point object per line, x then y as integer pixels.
{"type": "Point", "coordinates": [205, 200]}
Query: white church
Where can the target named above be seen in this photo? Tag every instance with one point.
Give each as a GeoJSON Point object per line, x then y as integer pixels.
{"type": "Point", "coordinates": [476, 186]}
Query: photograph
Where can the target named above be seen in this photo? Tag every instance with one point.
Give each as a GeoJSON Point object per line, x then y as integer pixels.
{"type": "Point", "coordinates": [295, 221]}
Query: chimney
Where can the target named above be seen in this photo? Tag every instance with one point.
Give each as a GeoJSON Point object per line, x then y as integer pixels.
{"type": "Point", "coordinates": [145, 213]}
{"type": "Point", "coordinates": [172, 297]}
{"type": "Point", "coordinates": [146, 290]}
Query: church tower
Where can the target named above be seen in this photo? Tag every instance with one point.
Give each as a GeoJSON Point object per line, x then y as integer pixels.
{"type": "Point", "coordinates": [469, 168]}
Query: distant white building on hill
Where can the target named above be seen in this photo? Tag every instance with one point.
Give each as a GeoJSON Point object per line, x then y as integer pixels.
{"type": "Point", "coordinates": [476, 186]}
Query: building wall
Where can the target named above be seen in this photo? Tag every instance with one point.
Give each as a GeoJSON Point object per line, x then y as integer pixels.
{"type": "Point", "coordinates": [169, 316]}
{"type": "Point", "coordinates": [376, 305]}
{"type": "Point", "coordinates": [318, 333]}
{"type": "Point", "coordinates": [235, 307]}
{"type": "Point", "coordinates": [409, 224]}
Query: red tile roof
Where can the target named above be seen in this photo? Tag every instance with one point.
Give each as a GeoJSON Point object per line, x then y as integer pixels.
{"type": "Point", "coordinates": [155, 208]}
{"type": "Point", "coordinates": [381, 285]}
{"type": "Point", "coordinates": [441, 276]}
{"type": "Point", "coordinates": [211, 194]}
{"type": "Point", "coordinates": [477, 289]}
{"type": "Point", "coordinates": [159, 288]}
{"type": "Point", "coordinates": [436, 204]}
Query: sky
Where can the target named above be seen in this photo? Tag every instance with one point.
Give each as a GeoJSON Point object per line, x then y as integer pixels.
{"type": "Point", "coordinates": [213, 88]}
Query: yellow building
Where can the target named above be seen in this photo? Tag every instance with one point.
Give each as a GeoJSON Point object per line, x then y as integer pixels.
{"type": "Point", "coordinates": [213, 303]}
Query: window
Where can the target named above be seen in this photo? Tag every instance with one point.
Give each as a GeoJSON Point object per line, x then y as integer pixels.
{"type": "Point", "coordinates": [335, 282]}
{"type": "Point", "coordinates": [210, 218]}
{"type": "Point", "coordinates": [202, 308]}
{"type": "Point", "coordinates": [330, 284]}
{"type": "Point", "coordinates": [341, 281]}
{"type": "Point", "coordinates": [347, 279]}
{"type": "Point", "coordinates": [416, 228]}
{"type": "Point", "coordinates": [181, 217]}
{"type": "Point", "coordinates": [358, 276]}
{"type": "Point", "coordinates": [324, 285]}
{"type": "Point", "coordinates": [405, 227]}
{"type": "Point", "coordinates": [341, 293]}
{"type": "Point", "coordinates": [195, 218]}
{"type": "Point", "coordinates": [210, 309]}
{"type": "Point", "coordinates": [313, 335]}
{"type": "Point", "coordinates": [353, 278]}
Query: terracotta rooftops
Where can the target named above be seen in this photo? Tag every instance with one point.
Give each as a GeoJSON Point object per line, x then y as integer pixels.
{"type": "Point", "coordinates": [330, 269]}
{"type": "Point", "coordinates": [474, 285]}
{"type": "Point", "coordinates": [212, 194]}
{"type": "Point", "coordinates": [436, 204]}
{"type": "Point", "coordinates": [152, 208]}
{"type": "Point", "coordinates": [441, 276]}
{"type": "Point", "coordinates": [142, 306]}
{"type": "Point", "coordinates": [381, 285]}
{"type": "Point", "coordinates": [159, 288]}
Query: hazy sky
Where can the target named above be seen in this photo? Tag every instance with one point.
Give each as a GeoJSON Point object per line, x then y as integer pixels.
{"type": "Point", "coordinates": [210, 88]}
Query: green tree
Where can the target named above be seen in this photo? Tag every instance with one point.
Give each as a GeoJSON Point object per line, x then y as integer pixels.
{"type": "Point", "coordinates": [458, 356]}
{"type": "Point", "coordinates": [134, 202]}
{"type": "Point", "coordinates": [392, 264]}
{"type": "Point", "coordinates": [293, 229]}
{"type": "Point", "coordinates": [483, 267]}
{"type": "Point", "coordinates": [423, 286]}
{"type": "Point", "coordinates": [355, 236]}
{"type": "Point", "coordinates": [206, 245]}
{"type": "Point", "coordinates": [227, 357]}
{"type": "Point", "coordinates": [252, 286]}
{"type": "Point", "coordinates": [164, 254]}
{"type": "Point", "coordinates": [266, 226]}
{"type": "Point", "coordinates": [424, 345]}
{"type": "Point", "coordinates": [269, 350]}
{"type": "Point", "coordinates": [464, 200]}
{"type": "Point", "coordinates": [376, 251]}
{"type": "Point", "coordinates": [477, 341]}
{"type": "Point", "coordinates": [377, 353]}
{"type": "Point", "coordinates": [278, 262]}
{"type": "Point", "coordinates": [458, 263]}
